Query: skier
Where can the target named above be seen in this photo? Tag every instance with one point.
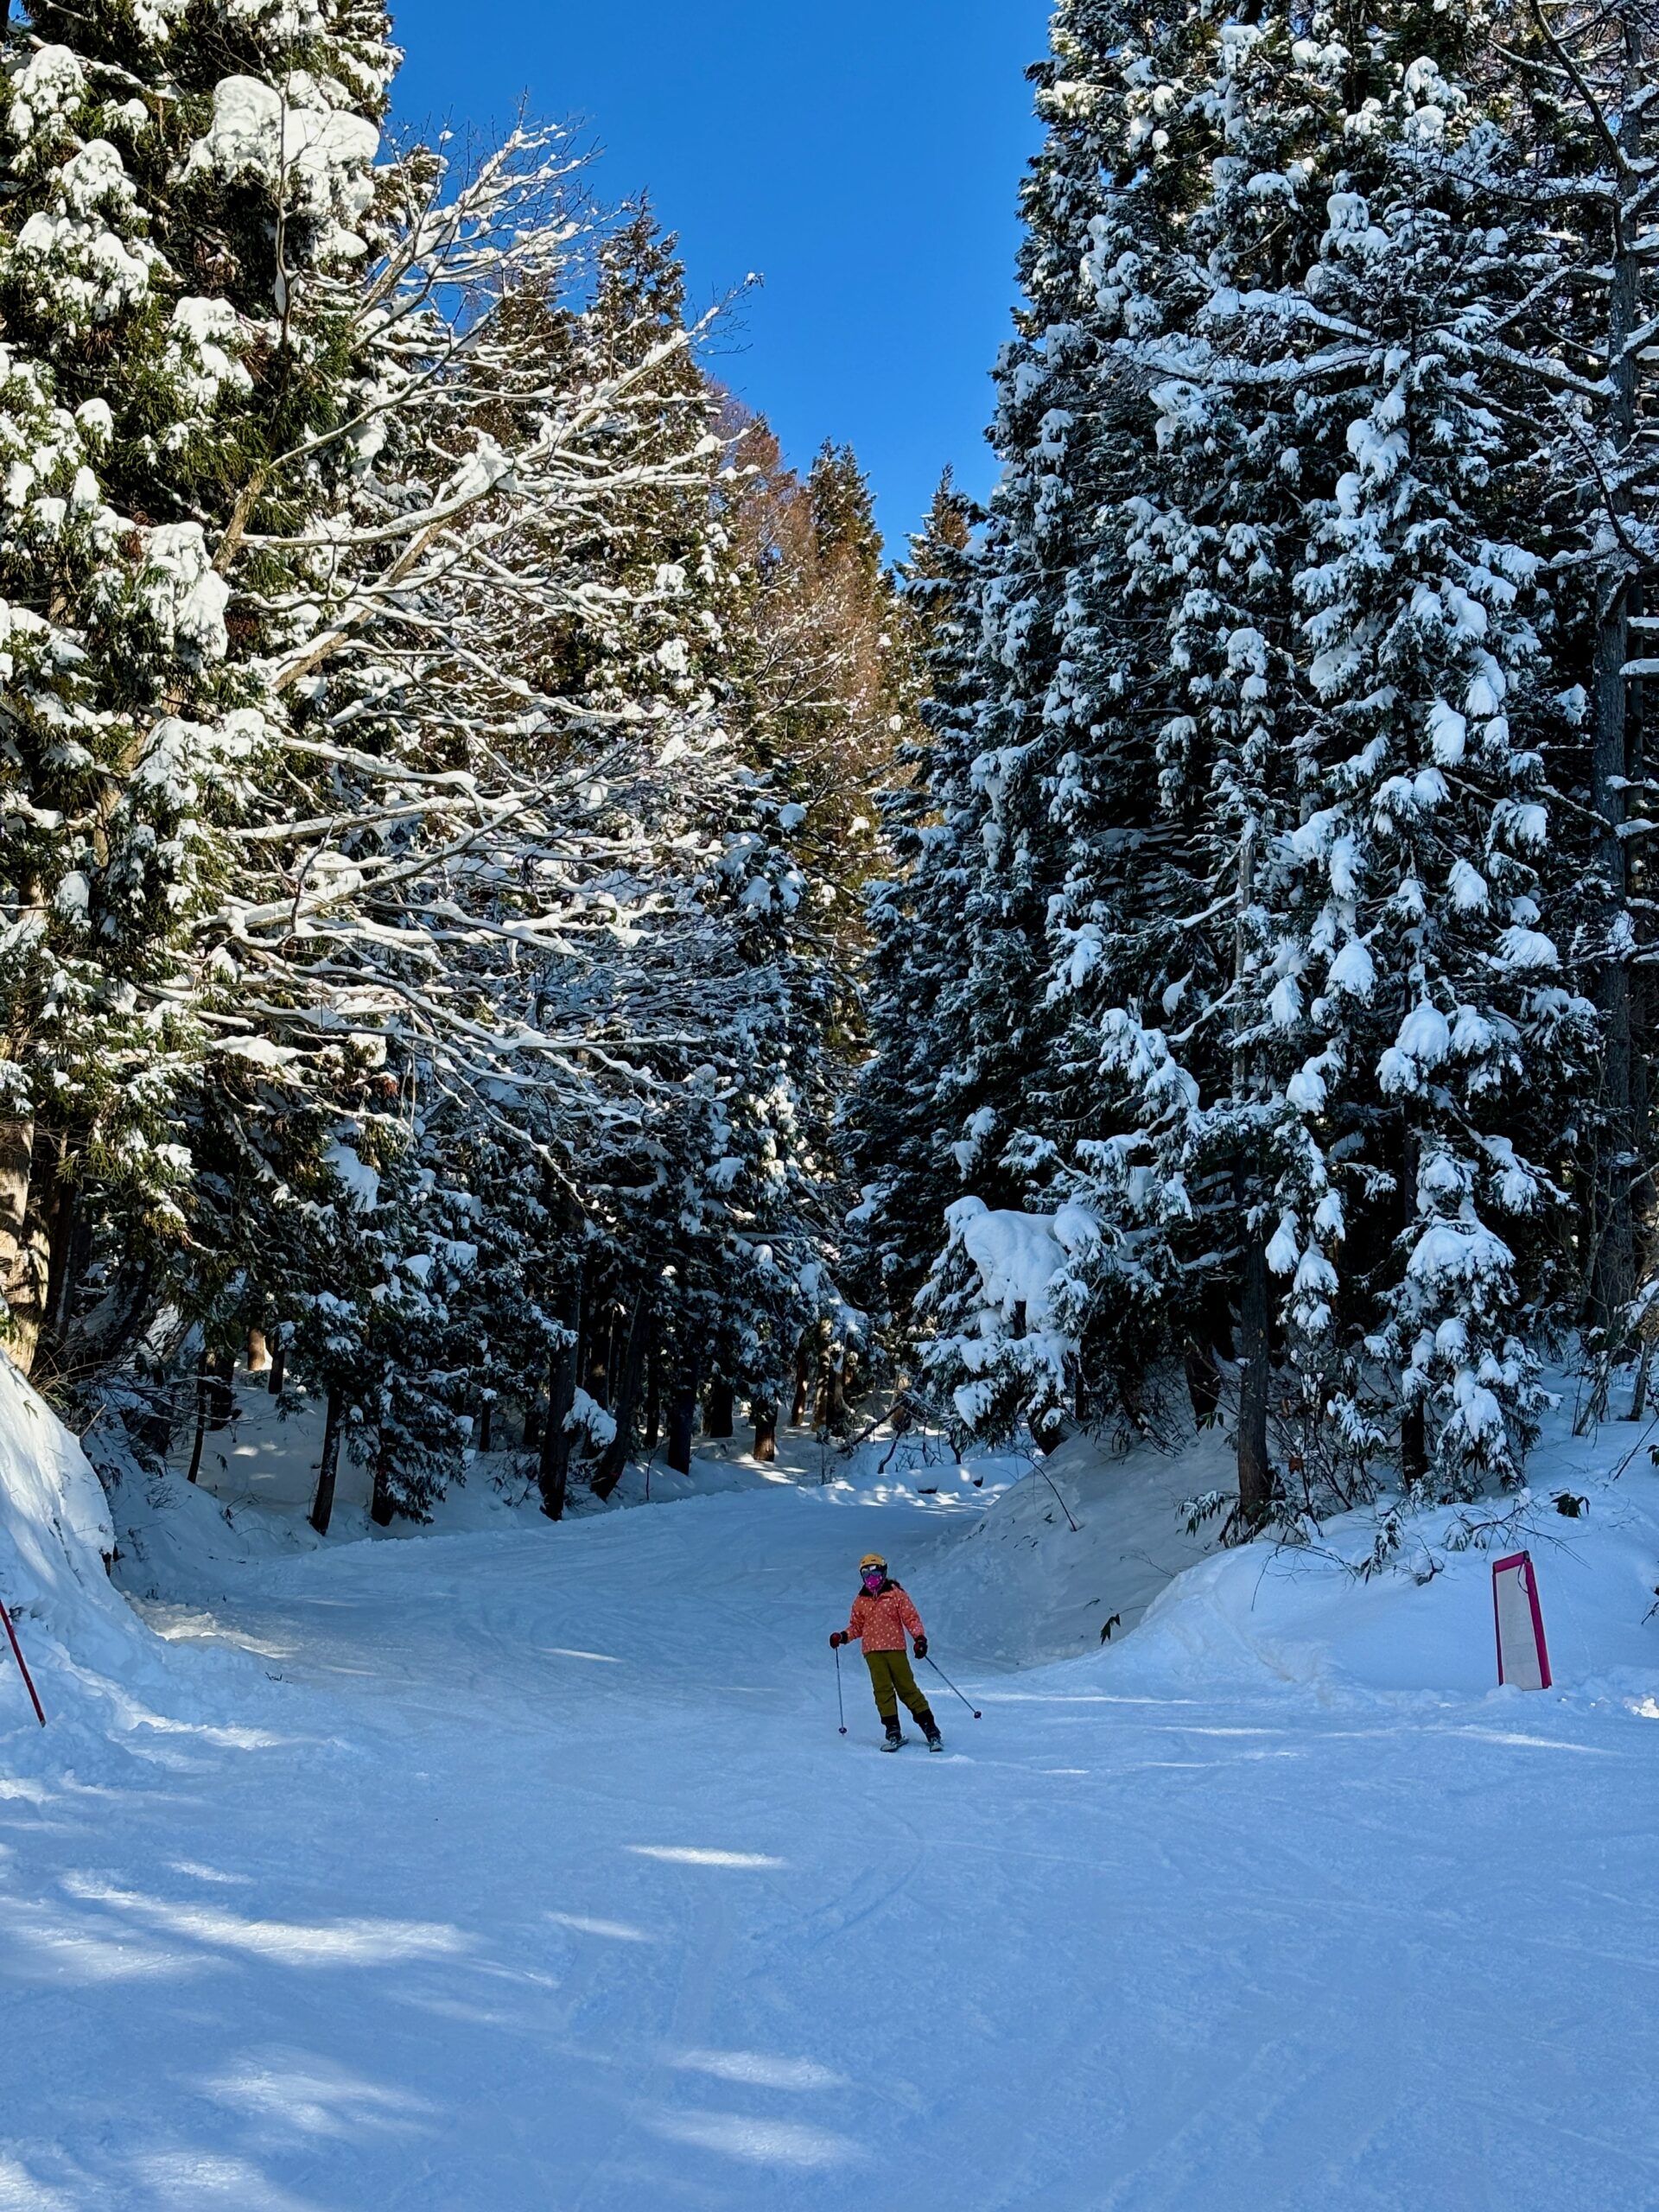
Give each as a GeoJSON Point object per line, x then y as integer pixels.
{"type": "Point", "coordinates": [881, 1613]}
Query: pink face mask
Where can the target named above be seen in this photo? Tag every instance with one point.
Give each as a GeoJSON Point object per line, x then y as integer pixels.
{"type": "Point", "coordinates": [873, 1579]}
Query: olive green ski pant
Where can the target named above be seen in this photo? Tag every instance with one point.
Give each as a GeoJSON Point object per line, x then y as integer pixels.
{"type": "Point", "coordinates": [891, 1679]}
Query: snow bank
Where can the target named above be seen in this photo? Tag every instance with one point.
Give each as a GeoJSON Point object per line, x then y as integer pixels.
{"type": "Point", "coordinates": [104, 1676]}
{"type": "Point", "coordinates": [1422, 1626]}
{"type": "Point", "coordinates": [55, 1536]}
{"type": "Point", "coordinates": [1305, 1617]}
{"type": "Point", "coordinates": [1023, 1585]}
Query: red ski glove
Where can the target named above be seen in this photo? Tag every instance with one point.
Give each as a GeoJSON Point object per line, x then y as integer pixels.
{"type": "Point", "coordinates": [921, 1647]}
{"type": "Point", "coordinates": [838, 1639]}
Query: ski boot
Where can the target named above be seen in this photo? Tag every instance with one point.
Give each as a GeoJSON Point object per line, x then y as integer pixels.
{"type": "Point", "coordinates": [895, 1735]}
{"type": "Point", "coordinates": [930, 1728]}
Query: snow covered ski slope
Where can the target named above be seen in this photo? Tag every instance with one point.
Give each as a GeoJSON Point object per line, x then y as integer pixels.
{"type": "Point", "coordinates": [522, 1870]}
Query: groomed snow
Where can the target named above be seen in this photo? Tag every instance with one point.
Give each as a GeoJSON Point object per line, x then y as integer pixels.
{"type": "Point", "coordinates": [522, 1869]}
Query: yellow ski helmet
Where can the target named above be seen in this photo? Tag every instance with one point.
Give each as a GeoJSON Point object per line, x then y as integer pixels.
{"type": "Point", "coordinates": [870, 1559]}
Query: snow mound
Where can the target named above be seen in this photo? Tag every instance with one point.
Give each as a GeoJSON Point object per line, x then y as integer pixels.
{"type": "Point", "coordinates": [107, 1681]}
{"type": "Point", "coordinates": [56, 1536]}
{"type": "Point", "coordinates": [1022, 1586]}
{"type": "Point", "coordinates": [173, 1532]}
{"type": "Point", "coordinates": [1421, 1626]}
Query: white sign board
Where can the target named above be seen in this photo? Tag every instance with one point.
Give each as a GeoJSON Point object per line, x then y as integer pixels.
{"type": "Point", "coordinates": [1522, 1654]}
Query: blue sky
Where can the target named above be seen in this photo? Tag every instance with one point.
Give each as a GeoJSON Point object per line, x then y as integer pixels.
{"type": "Point", "coordinates": [863, 155]}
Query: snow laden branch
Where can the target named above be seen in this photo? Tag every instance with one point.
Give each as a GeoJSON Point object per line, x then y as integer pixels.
{"type": "Point", "coordinates": [475, 828]}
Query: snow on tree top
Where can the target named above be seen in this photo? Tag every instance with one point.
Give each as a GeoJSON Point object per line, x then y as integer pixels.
{"type": "Point", "coordinates": [299, 141]}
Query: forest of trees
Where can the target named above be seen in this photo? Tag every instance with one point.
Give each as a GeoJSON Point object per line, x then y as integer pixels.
{"type": "Point", "coordinates": [1277, 856]}
{"type": "Point", "coordinates": [516, 912]}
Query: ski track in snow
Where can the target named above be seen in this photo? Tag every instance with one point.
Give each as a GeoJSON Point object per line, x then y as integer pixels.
{"type": "Point", "coordinates": [541, 1882]}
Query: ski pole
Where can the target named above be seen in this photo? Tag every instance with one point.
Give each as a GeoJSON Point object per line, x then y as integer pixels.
{"type": "Point", "coordinates": [841, 1710]}
{"type": "Point", "coordinates": [950, 1685]}
{"type": "Point", "coordinates": [28, 1679]}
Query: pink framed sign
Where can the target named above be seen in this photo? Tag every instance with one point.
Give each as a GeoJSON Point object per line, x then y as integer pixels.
{"type": "Point", "coordinates": [1523, 1654]}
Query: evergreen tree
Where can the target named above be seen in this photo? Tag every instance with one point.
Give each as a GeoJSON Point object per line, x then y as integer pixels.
{"type": "Point", "coordinates": [1283, 794]}
{"type": "Point", "coordinates": [175, 226]}
{"type": "Point", "coordinates": [1582, 91]}
{"type": "Point", "coordinates": [1038, 541]}
{"type": "Point", "coordinates": [1368, 700]}
{"type": "Point", "coordinates": [905, 1169]}
{"type": "Point", "coordinates": [1074, 868]}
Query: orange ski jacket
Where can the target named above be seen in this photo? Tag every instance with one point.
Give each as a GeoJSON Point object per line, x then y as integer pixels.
{"type": "Point", "coordinates": [879, 1623]}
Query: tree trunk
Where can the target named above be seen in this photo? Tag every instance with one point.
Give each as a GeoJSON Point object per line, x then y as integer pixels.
{"type": "Point", "coordinates": [596, 1369]}
{"type": "Point", "coordinates": [766, 1431]}
{"type": "Point", "coordinates": [653, 1393]}
{"type": "Point", "coordinates": [553, 1473]}
{"type": "Point", "coordinates": [534, 1433]}
{"type": "Point", "coordinates": [613, 1371]}
{"type": "Point", "coordinates": [120, 1314]}
{"type": "Point", "coordinates": [614, 1457]}
{"type": "Point", "coordinates": [1612, 1279]}
{"type": "Point", "coordinates": [153, 1430]}
{"type": "Point", "coordinates": [486, 1423]}
{"type": "Point", "coordinates": [682, 1420]}
{"type": "Point", "coordinates": [221, 1390]}
{"type": "Point", "coordinates": [258, 1352]}
{"type": "Point", "coordinates": [202, 1418]}
{"type": "Point", "coordinates": [1202, 1383]}
{"type": "Point", "coordinates": [797, 1411]}
{"type": "Point", "coordinates": [1642, 1193]}
{"type": "Point", "coordinates": [278, 1368]}
{"type": "Point", "coordinates": [1255, 1474]}
{"type": "Point", "coordinates": [1414, 1418]}
{"type": "Point", "coordinates": [27, 1287]}
{"type": "Point", "coordinates": [1255, 1345]}
{"type": "Point", "coordinates": [69, 1249]}
{"type": "Point", "coordinates": [835, 1408]}
{"type": "Point", "coordinates": [381, 1509]}
{"type": "Point", "coordinates": [1612, 1258]}
{"type": "Point", "coordinates": [719, 1410]}
{"type": "Point", "coordinates": [16, 1164]}
{"type": "Point", "coordinates": [1639, 1396]}
{"type": "Point", "coordinates": [584, 1341]}
{"type": "Point", "coordinates": [1414, 1444]}
{"type": "Point", "coordinates": [322, 1512]}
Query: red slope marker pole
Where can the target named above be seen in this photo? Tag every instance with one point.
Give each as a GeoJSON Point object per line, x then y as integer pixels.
{"type": "Point", "coordinates": [22, 1667]}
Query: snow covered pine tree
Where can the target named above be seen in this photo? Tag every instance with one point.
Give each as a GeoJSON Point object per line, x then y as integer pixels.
{"type": "Point", "coordinates": [1318, 1023]}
